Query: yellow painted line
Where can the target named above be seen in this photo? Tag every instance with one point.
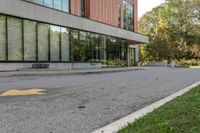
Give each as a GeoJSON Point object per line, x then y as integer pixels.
{"type": "Point", "coordinates": [14, 92]}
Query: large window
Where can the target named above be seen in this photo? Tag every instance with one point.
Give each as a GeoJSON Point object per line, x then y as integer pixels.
{"type": "Point", "coordinates": [95, 47]}
{"type": "Point", "coordinates": [29, 40]}
{"type": "Point", "coordinates": [43, 42]}
{"type": "Point", "coordinates": [83, 6]}
{"type": "Point", "coordinates": [65, 44]}
{"type": "Point", "coordinates": [14, 39]}
{"type": "Point", "coordinates": [128, 15]}
{"type": "Point", "coordinates": [119, 13]}
{"type": "Point", "coordinates": [48, 3]}
{"type": "Point", "coordinates": [55, 43]}
{"type": "Point", "coordinates": [115, 51]}
{"type": "Point", "coordinates": [58, 4]}
{"type": "Point", "coordinates": [102, 48]}
{"type": "Point", "coordinates": [2, 38]}
{"type": "Point", "coordinates": [66, 5]}
{"type": "Point", "coordinates": [41, 2]}
{"type": "Point", "coordinates": [74, 45]}
{"type": "Point", "coordinates": [63, 5]}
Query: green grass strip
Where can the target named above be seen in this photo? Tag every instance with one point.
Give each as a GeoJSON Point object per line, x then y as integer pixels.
{"type": "Point", "coordinates": [181, 115]}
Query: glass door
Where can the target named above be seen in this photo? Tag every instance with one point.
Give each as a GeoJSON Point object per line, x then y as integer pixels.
{"type": "Point", "coordinates": [132, 56]}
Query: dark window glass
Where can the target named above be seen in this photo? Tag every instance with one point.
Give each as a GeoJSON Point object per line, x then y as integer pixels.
{"type": "Point", "coordinates": [83, 5]}
{"type": "Point", "coordinates": [128, 16]}
{"type": "Point", "coordinates": [64, 44]}
{"type": "Point", "coordinates": [74, 45]}
{"type": "Point", "coordinates": [83, 46]}
{"type": "Point", "coordinates": [119, 13]}
{"type": "Point", "coordinates": [2, 38]}
{"type": "Point", "coordinates": [102, 41]}
{"type": "Point", "coordinates": [95, 47]}
{"type": "Point", "coordinates": [43, 42]}
{"type": "Point", "coordinates": [88, 46]}
{"type": "Point", "coordinates": [29, 40]}
{"type": "Point", "coordinates": [55, 43]}
{"type": "Point", "coordinates": [14, 39]}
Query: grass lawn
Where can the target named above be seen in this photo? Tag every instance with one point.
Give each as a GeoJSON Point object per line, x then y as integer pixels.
{"type": "Point", "coordinates": [181, 115]}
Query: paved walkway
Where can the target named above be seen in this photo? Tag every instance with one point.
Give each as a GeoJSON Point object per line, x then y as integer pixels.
{"type": "Point", "coordinates": [54, 72]}
{"type": "Point", "coordinates": [84, 103]}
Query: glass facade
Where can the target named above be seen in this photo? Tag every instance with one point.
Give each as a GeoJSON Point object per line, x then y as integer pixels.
{"type": "Point", "coordinates": [65, 49]}
{"type": "Point", "coordinates": [14, 35]}
{"type": "Point", "coordinates": [43, 42]}
{"type": "Point", "coordinates": [128, 17]}
{"type": "Point", "coordinates": [24, 40]}
{"type": "Point", "coordinates": [29, 40]}
{"type": "Point", "coordinates": [2, 38]}
{"type": "Point", "coordinates": [55, 43]}
{"type": "Point", "coordinates": [63, 5]}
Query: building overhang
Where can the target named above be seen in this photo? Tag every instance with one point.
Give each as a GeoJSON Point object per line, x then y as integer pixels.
{"type": "Point", "coordinates": [23, 9]}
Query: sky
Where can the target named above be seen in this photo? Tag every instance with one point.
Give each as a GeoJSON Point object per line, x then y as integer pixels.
{"type": "Point", "coordinates": [146, 5]}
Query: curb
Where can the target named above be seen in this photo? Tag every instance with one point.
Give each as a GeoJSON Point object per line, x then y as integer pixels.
{"type": "Point", "coordinates": [123, 122]}
{"type": "Point", "coordinates": [24, 74]}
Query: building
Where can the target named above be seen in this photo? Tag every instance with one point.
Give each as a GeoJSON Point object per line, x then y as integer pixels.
{"type": "Point", "coordinates": [68, 33]}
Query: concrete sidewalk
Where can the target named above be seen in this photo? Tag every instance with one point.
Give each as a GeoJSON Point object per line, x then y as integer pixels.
{"type": "Point", "coordinates": [54, 72]}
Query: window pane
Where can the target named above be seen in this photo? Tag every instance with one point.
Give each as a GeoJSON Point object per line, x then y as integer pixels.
{"type": "Point", "coordinates": [95, 47]}
{"type": "Point", "coordinates": [2, 38]}
{"type": "Point", "coordinates": [74, 43]}
{"type": "Point", "coordinates": [29, 40]}
{"type": "Point", "coordinates": [55, 43]}
{"type": "Point", "coordinates": [41, 2]}
{"type": "Point", "coordinates": [128, 15]}
{"type": "Point", "coordinates": [14, 39]}
{"type": "Point", "coordinates": [102, 39]}
{"type": "Point", "coordinates": [65, 5]}
{"type": "Point", "coordinates": [58, 4]}
{"type": "Point", "coordinates": [43, 42]}
{"type": "Point", "coordinates": [64, 44]}
{"type": "Point", "coordinates": [88, 49]}
{"type": "Point", "coordinates": [48, 3]}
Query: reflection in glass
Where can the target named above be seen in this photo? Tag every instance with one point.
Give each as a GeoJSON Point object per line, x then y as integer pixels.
{"type": "Point", "coordinates": [29, 40]}
{"type": "Point", "coordinates": [14, 39]}
{"type": "Point", "coordinates": [43, 42]}
{"type": "Point", "coordinates": [102, 39]}
{"type": "Point", "coordinates": [128, 15]}
{"type": "Point", "coordinates": [58, 4]}
{"type": "Point", "coordinates": [74, 43]}
{"type": "Point", "coordinates": [55, 43]}
{"type": "Point", "coordinates": [48, 3]}
{"type": "Point", "coordinates": [2, 38]}
{"type": "Point", "coordinates": [41, 2]}
{"type": "Point", "coordinates": [95, 47]}
{"type": "Point", "coordinates": [64, 44]}
{"type": "Point", "coordinates": [65, 5]}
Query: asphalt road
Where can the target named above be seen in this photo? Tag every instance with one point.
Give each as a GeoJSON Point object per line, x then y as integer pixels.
{"type": "Point", "coordinates": [84, 103]}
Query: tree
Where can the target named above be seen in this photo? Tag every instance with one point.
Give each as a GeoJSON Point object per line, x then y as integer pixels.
{"type": "Point", "coordinates": [173, 29]}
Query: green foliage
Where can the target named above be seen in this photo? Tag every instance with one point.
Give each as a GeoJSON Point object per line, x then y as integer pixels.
{"type": "Point", "coordinates": [182, 115]}
{"type": "Point", "coordinates": [191, 62]}
{"type": "Point", "coordinates": [174, 29]}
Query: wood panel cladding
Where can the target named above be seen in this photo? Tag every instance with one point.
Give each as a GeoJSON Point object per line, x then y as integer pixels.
{"type": "Point", "coordinates": [75, 7]}
{"type": "Point", "coordinates": [105, 11]}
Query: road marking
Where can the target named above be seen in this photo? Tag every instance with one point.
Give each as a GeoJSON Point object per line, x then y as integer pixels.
{"type": "Point", "coordinates": [14, 92]}
{"type": "Point", "coordinates": [121, 123]}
